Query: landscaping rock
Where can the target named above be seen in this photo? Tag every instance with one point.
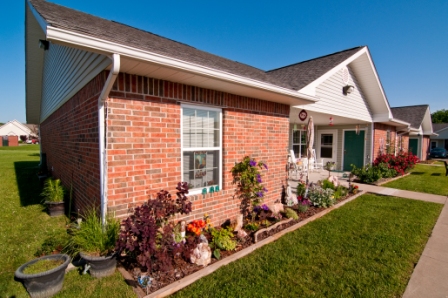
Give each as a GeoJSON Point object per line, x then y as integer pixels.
{"type": "Point", "coordinates": [202, 255]}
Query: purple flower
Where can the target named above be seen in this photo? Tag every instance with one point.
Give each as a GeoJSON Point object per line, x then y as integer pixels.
{"type": "Point", "coordinates": [265, 207]}
{"type": "Point", "coordinates": [259, 178]}
{"type": "Point", "coordinates": [257, 209]}
{"type": "Point", "coordinates": [265, 166]}
{"type": "Point", "coordinates": [260, 194]}
{"type": "Point", "coordinates": [252, 163]}
{"type": "Point", "coordinates": [265, 189]}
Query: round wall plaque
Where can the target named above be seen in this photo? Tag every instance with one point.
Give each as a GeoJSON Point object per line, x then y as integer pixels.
{"type": "Point", "coordinates": [302, 115]}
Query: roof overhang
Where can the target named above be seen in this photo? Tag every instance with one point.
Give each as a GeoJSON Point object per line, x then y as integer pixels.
{"type": "Point", "coordinates": [141, 62]}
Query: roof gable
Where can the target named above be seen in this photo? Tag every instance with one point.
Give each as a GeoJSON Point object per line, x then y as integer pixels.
{"type": "Point", "coordinates": [301, 74]}
{"type": "Point", "coordinates": [439, 127]}
{"type": "Point", "coordinates": [412, 114]}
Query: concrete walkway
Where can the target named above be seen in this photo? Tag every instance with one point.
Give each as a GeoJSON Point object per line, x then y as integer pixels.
{"type": "Point", "coordinates": [430, 276]}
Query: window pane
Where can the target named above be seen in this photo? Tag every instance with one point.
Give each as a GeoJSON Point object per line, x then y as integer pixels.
{"type": "Point", "coordinates": [200, 128]}
{"type": "Point", "coordinates": [303, 138]}
{"type": "Point", "coordinates": [326, 152]}
{"type": "Point", "coordinates": [201, 168]}
{"type": "Point", "coordinates": [326, 140]}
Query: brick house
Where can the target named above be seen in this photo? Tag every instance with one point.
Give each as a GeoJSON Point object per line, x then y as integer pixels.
{"type": "Point", "coordinates": [124, 113]}
{"type": "Point", "coordinates": [441, 139]}
{"type": "Point", "coordinates": [420, 130]}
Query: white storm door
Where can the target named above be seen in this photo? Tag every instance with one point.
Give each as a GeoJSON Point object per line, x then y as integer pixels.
{"type": "Point", "coordinates": [327, 145]}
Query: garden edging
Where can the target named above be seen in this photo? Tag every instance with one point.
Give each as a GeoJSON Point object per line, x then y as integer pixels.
{"type": "Point", "coordinates": [184, 282]}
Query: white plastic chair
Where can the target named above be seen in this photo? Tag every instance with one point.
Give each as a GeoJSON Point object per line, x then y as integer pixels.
{"type": "Point", "coordinates": [292, 164]}
{"type": "Point", "coordinates": [317, 165]}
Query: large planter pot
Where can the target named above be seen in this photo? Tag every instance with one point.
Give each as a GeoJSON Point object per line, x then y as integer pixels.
{"type": "Point", "coordinates": [55, 208]}
{"type": "Point", "coordinates": [100, 266]}
{"type": "Point", "coordinates": [47, 283]}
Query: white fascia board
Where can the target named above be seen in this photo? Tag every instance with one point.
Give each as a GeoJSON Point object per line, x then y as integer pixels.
{"type": "Point", "coordinates": [58, 35]}
{"type": "Point", "coordinates": [40, 20]}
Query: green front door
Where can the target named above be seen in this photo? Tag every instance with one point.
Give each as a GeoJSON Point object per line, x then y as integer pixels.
{"type": "Point", "coordinates": [353, 149]}
{"type": "Point", "coordinates": [413, 146]}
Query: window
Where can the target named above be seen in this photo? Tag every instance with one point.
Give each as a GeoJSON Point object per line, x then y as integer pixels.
{"type": "Point", "coordinates": [299, 142]}
{"type": "Point", "coordinates": [201, 147]}
{"type": "Point", "coordinates": [326, 146]}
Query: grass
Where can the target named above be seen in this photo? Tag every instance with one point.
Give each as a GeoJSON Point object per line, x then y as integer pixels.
{"type": "Point", "coordinates": [24, 226]}
{"type": "Point", "coordinates": [368, 248]}
{"type": "Point", "coordinates": [424, 178]}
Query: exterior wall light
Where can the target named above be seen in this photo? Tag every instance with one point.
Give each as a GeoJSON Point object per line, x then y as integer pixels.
{"type": "Point", "coordinates": [44, 44]}
{"type": "Point", "coordinates": [347, 89]}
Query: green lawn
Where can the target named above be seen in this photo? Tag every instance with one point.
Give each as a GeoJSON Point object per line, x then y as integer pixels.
{"type": "Point", "coordinates": [423, 178]}
{"type": "Point", "coordinates": [24, 225]}
{"type": "Point", "coordinates": [368, 248]}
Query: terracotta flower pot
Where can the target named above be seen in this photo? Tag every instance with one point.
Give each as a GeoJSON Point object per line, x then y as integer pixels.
{"type": "Point", "coordinates": [47, 283]}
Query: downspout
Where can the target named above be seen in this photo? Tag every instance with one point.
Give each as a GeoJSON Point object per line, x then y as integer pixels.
{"type": "Point", "coordinates": [115, 69]}
{"type": "Point", "coordinates": [372, 140]}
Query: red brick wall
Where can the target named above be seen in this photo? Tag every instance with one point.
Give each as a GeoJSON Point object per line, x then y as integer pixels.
{"type": "Point", "coordinates": [144, 151]}
{"type": "Point", "coordinates": [380, 132]}
{"type": "Point", "coordinates": [13, 141]}
{"type": "Point", "coordinates": [426, 144]}
{"type": "Point", "coordinates": [69, 137]}
{"type": "Point", "coordinates": [405, 143]}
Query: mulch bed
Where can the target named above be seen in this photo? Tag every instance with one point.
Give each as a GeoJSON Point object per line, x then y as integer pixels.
{"type": "Point", "coordinates": [183, 268]}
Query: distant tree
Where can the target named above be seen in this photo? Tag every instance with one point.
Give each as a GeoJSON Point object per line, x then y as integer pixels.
{"type": "Point", "coordinates": [440, 116]}
{"type": "Point", "coordinates": [1, 123]}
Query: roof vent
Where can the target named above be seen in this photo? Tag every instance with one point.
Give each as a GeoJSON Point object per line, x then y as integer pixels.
{"type": "Point", "coordinates": [345, 75]}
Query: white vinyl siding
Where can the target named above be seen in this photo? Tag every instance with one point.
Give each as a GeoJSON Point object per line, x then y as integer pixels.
{"type": "Point", "coordinates": [66, 71]}
{"type": "Point", "coordinates": [333, 102]}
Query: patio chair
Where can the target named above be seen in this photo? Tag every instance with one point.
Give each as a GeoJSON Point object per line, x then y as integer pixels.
{"type": "Point", "coordinates": [292, 164]}
{"type": "Point", "coordinates": [446, 167]}
{"type": "Point", "coordinates": [317, 165]}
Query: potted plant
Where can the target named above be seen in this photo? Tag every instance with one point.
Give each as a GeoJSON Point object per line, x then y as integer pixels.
{"type": "Point", "coordinates": [43, 277]}
{"type": "Point", "coordinates": [95, 243]}
{"type": "Point", "coordinates": [53, 194]}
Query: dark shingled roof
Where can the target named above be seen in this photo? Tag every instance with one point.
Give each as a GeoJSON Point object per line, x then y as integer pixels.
{"type": "Point", "coordinates": [76, 21]}
{"type": "Point", "coordinates": [301, 74]}
{"type": "Point", "coordinates": [439, 126]}
{"type": "Point", "coordinates": [411, 114]}
{"type": "Point", "coordinates": [293, 77]}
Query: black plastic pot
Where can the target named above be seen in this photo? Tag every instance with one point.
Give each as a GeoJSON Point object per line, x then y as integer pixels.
{"type": "Point", "coordinates": [55, 208]}
{"type": "Point", "coordinates": [100, 266]}
{"type": "Point", "coordinates": [47, 283]}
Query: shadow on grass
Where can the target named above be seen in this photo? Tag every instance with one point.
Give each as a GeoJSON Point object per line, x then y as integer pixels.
{"type": "Point", "coordinates": [436, 174]}
{"type": "Point", "coordinates": [34, 154]}
{"type": "Point", "coordinates": [417, 173]}
{"type": "Point", "coordinates": [27, 182]}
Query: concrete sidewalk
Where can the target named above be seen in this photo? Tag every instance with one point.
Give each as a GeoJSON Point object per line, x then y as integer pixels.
{"type": "Point", "coordinates": [430, 276]}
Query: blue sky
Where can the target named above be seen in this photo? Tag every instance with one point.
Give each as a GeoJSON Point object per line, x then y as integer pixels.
{"type": "Point", "coordinates": [408, 40]}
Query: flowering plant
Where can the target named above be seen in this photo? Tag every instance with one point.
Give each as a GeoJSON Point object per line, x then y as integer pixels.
{"type": "Point", "coordinates": [247, 177]}
{"type": "Point", "coordinates": [196, 226]}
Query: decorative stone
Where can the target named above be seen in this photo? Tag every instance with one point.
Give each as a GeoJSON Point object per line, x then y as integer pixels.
{"type": "Point", "coordinates": [334, 179]}
{"type": "Point", "coordinates": [203, 239]}
{"type": "Point", "coordinates": [238, 223]}
{"type": "Point", "coordinates": [291, 199]}
{"type": "Point", "coordinates": [277, 207]}
{"type": "Point", "coordinates": [202, 255]}
{"type": "Point", "coordinates": [241, 234]}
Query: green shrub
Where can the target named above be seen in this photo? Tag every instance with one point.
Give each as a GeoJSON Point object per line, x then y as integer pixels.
{"type": "Point", "coordinates": [386, 172]}
{"type": "Point", "coordinates": [91, 238]}
{"type": "Point", "coordinates": [320, 197]}
{"type": "Point", "coordinates": [291, 213]}
{"type": "Point", "coordinates": [252, 226]}
{"type": "Point", "coordinates": [367, 174]}
{"type": "Point", "coordinates": [327, 184]}
{"type": "Point", "coordinates": [222, 239]}
{"type": "Point", "coordinates": [53, 190]}
{"type": "Point", "coordinates": [303, 207]}
{"type": "Point", "coordinates": [301, 188]}
{"type": "Point", "coordinates": [340, 192]}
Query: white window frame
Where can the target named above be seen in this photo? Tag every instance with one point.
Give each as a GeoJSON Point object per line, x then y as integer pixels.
{"type": "Point", "coordinates": [302, 130]}
{"type": "Point", "coordinates": [196, 191]}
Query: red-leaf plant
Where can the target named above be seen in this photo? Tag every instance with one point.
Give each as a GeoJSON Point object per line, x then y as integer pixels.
{"type": "Point", "coordinates": [147, 237]}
